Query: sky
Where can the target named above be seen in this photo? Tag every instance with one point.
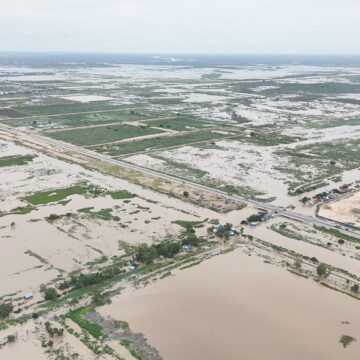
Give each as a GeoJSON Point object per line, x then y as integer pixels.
{"type": "Point", "coordinates": [182, 26]}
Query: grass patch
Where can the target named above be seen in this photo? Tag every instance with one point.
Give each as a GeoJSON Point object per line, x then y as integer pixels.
{"type": "Point", "coordinates": [16, 160]}
{"type": "Point", "coordinates": [103, 214]}
{"type": "Point", "coordinates": [121, 194]}
{"type": "Point", "coordinates": [78, 317]}
{"type": "Point", "coordinates": [46, 197]}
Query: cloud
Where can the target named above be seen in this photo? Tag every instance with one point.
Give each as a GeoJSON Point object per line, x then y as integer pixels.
{"type": "Point", "coordinates": [189, 26]}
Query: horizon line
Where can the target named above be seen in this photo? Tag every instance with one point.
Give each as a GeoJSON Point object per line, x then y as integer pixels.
{"type": "Point", "coordinates": [65, 52]}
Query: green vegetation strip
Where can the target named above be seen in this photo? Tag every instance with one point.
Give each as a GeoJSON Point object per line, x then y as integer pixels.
{"type": "Point", "coordinates": [337, 234]}
{"type": "Point", "coordinates": [121, 194]}
{"type": "Point", "coordinates": [187, 224]}
{"type": "Point", "coordinates": [19, 211]}
{"type": "Point", "coordinates": [282, 229]}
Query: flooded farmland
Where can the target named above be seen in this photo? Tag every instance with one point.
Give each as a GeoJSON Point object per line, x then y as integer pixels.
{"type": "Point", "coordinates": [237, 306]}
{"type": "Point", "coordinates": [157, 208]}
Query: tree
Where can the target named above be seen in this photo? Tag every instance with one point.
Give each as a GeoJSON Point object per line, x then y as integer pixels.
{"type": "Point", "coordinates": [168, 248]}
{"type": "Point", "coordinates": [146, 254]}
{"type": "Point", "coordinates": [255, 218]}
{"type": "Point", "coordinates": [355, 288]}
{"type": "Point", "coordinates": [53, 331]}
{"type": "Point", "coordinates": [322, 270]}
{"type": "Point", "coordinates": [11, 338]}
{"type": "Point", "coordinates": [192, 240]}
{"type": "Point", "coordinates": [5, 310]}
{"type": "Point", "coordinates": [50, 294]}
{"type": "Point", "coordinates": [305, 199]}
{"type": "Point", "coordinates": [186, 194]}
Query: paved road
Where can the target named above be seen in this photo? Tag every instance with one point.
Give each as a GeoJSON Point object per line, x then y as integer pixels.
{"type": "Point", "coordinates": [62, 146]}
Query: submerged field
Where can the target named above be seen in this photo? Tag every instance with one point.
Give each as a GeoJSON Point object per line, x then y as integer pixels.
{"type": "Point", "coordinates": [262, 303]}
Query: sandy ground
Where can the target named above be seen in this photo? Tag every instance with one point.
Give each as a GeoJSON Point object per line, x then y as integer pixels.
{"type": "Point", "coordinates": [346, 210]}
{"type": "Point", "coordinates": [235, 306]}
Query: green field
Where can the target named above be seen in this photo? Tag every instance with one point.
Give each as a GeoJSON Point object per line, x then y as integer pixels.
{"type": "Point", "coordinates": [45, 197]}
{"type": "Point", "coordinates": [38, 110]}
{"type": "Point", "coordinates": [16, 160]}
{"type": "Point", "coordinates": [100, 135]}
{"type": "Point", "coordinates": [80, 119]}
{"type": "Point", "coordinates": [10, 113]}
{"type": "Point", "coordinates": [158, 143]}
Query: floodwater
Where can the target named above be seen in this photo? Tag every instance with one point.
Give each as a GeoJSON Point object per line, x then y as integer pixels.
{"type": "Point", "coordinates": [322, 254]}
{"type": "Point", "coordinates": [237, 307]}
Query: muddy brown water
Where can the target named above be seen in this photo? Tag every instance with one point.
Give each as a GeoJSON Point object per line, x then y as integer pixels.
{"type": "Point", "coordinates": [237, 307]}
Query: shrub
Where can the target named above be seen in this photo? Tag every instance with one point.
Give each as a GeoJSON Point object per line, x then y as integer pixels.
{"type": "Point", "coordinates": [35, 315]}
{"type": "Point", "coordinates": [322, 270]}
{"type": "Point", "coordinates": [5, 310]}
{"type": "Point", "coordinates": [98, 299]}
{"type": "Point", "coordinates": [53, 331]}
{"type": "Point", "coordinates": [11, 338]}
{"type": "Point", "coordinates": [346, 340]}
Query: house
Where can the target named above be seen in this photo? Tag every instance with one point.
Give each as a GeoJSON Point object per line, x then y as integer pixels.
{"type": "Point", "coordinates": [28, 296]}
